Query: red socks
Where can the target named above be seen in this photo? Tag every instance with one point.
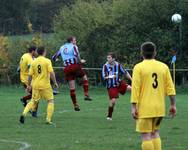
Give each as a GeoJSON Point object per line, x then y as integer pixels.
{"type": "Point", "coordinates": [86, 87]}
{"type": "Point", "coordinates": [28, 97]}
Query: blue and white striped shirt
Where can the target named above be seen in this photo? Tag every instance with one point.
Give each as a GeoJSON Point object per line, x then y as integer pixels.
{"type": "Point", "coordinates": [69, 53]}
{"type": "Point", "coordinates": [116, 69]}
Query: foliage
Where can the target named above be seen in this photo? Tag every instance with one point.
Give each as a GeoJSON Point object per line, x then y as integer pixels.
{"type": "Point", "coordinates": [121, 26]}
{"type": "Point", "coordinates": [4, 56]}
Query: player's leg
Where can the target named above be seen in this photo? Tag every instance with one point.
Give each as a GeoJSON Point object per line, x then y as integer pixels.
{"type": "Point", "coordinates": [156, 140]}
{"type": "Point", "coordinates": [28, 107]}
{"type": "Point", "coordinates": [70, 74]}
{"type": "Point", "coordinates": [144, 126]}
{"type": "Point", "coordinates": [73, 95]}
{"type": "Point", "coordinates": [81, 73]}
{"type": "Point", "coordinates": [35, 97]}
{"type": "Point", "coordinates": [86, 88]}
{"type": "Point", "coordinates": [123, 87]}
{"type": "Point", "coordinates": [147, 143]}
{"type": "Point", "coordinates": [24, 99]}
{"type": "Point", "coordinates": [111, 108]}
{"type": "Point", "coordinates": [155, 134]}
{"type": "Point", "coordinates": [35, 109]}
{"type": "Point", "coordinates": [47, 94]}
{"type": "Point", "coordinates": [50, 111]}
{"type": "Point", "coordinates": [113, 95]}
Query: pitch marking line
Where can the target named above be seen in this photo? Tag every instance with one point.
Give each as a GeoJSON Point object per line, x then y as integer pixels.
{"type": "Point", "coordinates": [24, 147]}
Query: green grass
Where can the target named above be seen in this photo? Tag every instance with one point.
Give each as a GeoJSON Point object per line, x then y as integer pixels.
{"type": "Point", "coordinates": [84, 130]}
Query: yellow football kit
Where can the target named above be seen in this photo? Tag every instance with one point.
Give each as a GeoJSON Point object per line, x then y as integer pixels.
{"type": "Point", "coordinates": [25, 64]}
{"type": "Point", "coordinates": [40, 71]}
{"type": "Point", "coordinates": [151, 82]}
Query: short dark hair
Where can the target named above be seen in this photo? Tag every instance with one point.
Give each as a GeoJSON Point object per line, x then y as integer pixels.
{"type": "Point", "coordinates": [148, 49]}
{"type": "Point", "coordinates": [112, 54]}
{"type": "Point", "coordinates": [32, 48]}
{"type": "Point", "coordinates": [70, 39]}
{"type": "Point", "coordinates": [40, 50]}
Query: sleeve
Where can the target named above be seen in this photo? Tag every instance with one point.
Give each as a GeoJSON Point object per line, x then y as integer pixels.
{"type": "Point", "coordinates": [31, 72]}
{"type": "Point", "coordinates": [170, 89]}
{"type": "Point", "coordinates": [104, 72]}
{"type": "Point", "coordinates": [76, 52]}
{"type": "Point", "coordinates": [50, 68]}
{"type": "Point", "coordinates": [136, 85]}
{"type": "Point", "coordinates": [56, 55]}
{"type": "Point", "coordinates": [122, 70]}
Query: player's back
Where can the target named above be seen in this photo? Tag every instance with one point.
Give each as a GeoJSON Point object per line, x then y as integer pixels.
{"type": "Point", "coordinates": [25, 63]}
{"type": "Point", "coordinates": [67, 51]}
{"type": "Point", "coordinates": [155, 82]}
{"type": "Point", "coordinates": [40, 69]}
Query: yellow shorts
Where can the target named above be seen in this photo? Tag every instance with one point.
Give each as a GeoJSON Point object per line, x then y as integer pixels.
{"type": "Point", "coordinates": [46, 94]}
{"type": "Point", "coordinates": [147, 125]}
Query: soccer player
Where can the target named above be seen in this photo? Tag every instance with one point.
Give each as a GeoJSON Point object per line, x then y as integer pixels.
{"type": "Point", "coordinates": [151, 82]}
{"type": "Point", "coordinates": [25, 63]}
{"type": "Point", "coordinates": [40, 73]}
{"type": "Point", "coordinates": [111, 72]}
{"type": "Point", "coordinates": [73, 68]}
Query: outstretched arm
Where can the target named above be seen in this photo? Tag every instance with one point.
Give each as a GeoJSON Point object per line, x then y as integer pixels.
{"type": "Point", "coordinates": [56, 55]}
{"type": "Point", "coordinates": [128, 76]}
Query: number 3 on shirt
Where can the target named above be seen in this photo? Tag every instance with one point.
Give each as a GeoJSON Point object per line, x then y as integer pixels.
{"type": "Point", "coordinates": [39, 69]}
{"type": "Point", "coordinates": [155, 83]}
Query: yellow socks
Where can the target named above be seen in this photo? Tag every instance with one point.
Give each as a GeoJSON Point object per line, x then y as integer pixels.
{"type": "Point", "coordinates": [50, 111]}
{"type": "Point", "coordinates": [157, 143]}
{"type": "Point", "coordinates": [28, 107]}
{"type": "Point", "coordinates": [147, 145]}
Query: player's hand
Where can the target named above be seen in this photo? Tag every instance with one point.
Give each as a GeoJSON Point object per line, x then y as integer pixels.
{"type": "Point", "coordinates": [83, 61]}
{"type": "Point", "coordinates": [134, 112]}
{"type": "Point", "coordinates": [172, 111]}
{"type": "Point", "coordinates": [111, 76]}
{"type": "Point", "coordinates": [29, 88]}
{"type": "Point", "coordinates": [56, 85]}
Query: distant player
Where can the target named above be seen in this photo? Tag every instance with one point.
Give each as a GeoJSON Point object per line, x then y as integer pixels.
{"type": "Point", "coordinates": [40, 73]}
{"type": "Point", "coordinates": [25, 63]}
{"type": "Point", "coordinates": [73, 68]}
{"type": "Point", "coordinates": [151, 82]}
{"type": "Point", "coordinates": [111, 72]}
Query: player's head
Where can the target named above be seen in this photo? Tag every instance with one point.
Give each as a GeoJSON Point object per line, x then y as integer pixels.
{"type": "Point", "coordinates": [41, 51]}
{"type": "Point", "coordinates": [71, 39]}
{"type": "Point", "coordinates": [148, 50]}
{"type": "Point", "coordinates": [110, 57]}
{"type": "Point", "coordinates": [32, 50]}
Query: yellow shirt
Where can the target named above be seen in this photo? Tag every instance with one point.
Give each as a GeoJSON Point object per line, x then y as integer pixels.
{"type": "Point", "coordinates": [25, 63]}
{"type": "Point", "coordinates": [40, 71]}
{"type": "Point", "coordinates": [151, 82]}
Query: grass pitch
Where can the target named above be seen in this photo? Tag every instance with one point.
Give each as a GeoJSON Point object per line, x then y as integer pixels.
{"type": "Point", "coordinates": [84, 130]}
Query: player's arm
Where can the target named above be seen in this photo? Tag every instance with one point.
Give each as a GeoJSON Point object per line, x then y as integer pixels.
{"type": "Point", "coordinates": [77, 54]}
{"type": "Point", "coordinates": [134, 110]}
{"type": "Point", "coordinates": [172, 110]}
{"type": "Point", "coordinates": [125, 72]}
{"type": "Point", "coordinates": [52, 74]}
{"type": "Point", "coordinates": [136, 85]}
{"type": "Point", "coordinates": [104, 73]}
{"type": "Point", "coordinates": [53, 78]}
{"type": "Point", "coordinates": [170, 89]}
{"type": "Point", "coordinates": [128, 76]}
{"type": "Point", "coordinates": [30, 79]}
{"type": "Point", "coordinates": [56, 55]}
